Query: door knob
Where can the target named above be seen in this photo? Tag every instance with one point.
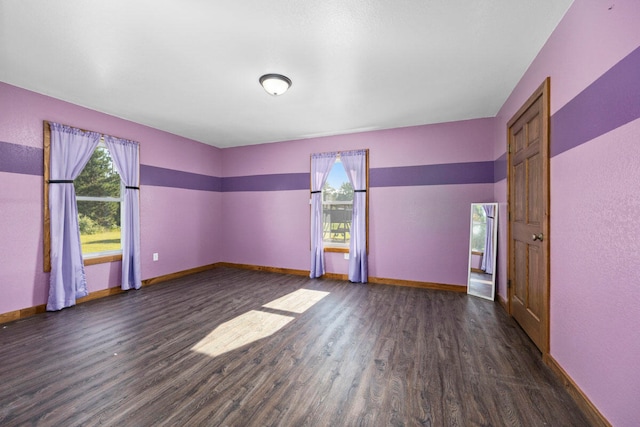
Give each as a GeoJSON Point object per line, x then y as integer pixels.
{"type": "Point", "coordinates": [537, 237]}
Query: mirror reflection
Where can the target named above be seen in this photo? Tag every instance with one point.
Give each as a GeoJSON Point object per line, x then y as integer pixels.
{"type": "Point", "coordinates": [482, 250]}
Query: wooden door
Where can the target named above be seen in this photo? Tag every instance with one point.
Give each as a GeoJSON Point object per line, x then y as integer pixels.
{"type": "Point", "coordinates": [528, 182]}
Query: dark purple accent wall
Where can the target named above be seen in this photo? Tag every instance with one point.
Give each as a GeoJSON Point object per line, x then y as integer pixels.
{"type": "Point", "coordinates": [451, 173]}
{"type": "Point", "coordinates": [162, 177]}
{"type": "Point", "coordinates": [274, 182]}
{"type": "Point", "coordinates": [609, 102]}
{"type": "Point", "coordinates": [21, 159]}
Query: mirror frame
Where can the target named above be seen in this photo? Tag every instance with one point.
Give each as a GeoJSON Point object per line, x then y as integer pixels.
{"type": "Point", "coordinates": [494, 239]}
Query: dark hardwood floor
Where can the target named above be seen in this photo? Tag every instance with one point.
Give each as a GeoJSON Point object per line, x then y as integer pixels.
{"type": "Point", "coordinates": [365, 355]}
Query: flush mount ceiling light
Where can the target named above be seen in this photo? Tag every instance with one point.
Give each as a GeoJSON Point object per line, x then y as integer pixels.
{"type": "Point", "coordinates": [275, 84]}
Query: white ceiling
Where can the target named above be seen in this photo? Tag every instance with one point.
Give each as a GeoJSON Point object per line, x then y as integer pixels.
{"type": "Point", "coordinates": [191, 67]}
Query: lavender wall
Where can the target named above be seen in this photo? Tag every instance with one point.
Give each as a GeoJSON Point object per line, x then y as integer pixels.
{"type": "Point", "coordinates": [179, 219]}
{"type": "Point", "coordinates": [422, 181]}
{"type": "Point", "coordinates": [593, 58]}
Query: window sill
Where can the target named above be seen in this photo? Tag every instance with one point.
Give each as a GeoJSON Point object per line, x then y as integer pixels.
{"type": "Point", "coordinates": [102, 259]}
{"type": "Point", "coordinates": [337, 249]}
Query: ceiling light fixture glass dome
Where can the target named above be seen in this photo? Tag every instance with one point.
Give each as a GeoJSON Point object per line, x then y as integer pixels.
{"type": "Point", "coordinates": [275, 84]}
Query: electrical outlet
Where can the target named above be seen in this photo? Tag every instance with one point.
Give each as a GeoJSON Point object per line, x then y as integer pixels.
{"type": "Point", "coordinates": [155, 256]}
{"type": "Point", "coordinates": [346, 255]}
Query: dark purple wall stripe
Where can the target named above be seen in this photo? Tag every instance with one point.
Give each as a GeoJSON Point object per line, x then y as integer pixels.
{"type": "Point", "coordinates": [22, 159]}
{"type": "Point", "coordinates": [451, 173]}
{"type": "Point", "coordinates": [161, 177]}
{"type": "Point", "coordinates": [610, 102]}
{"type": "Point", "coordinates": [606, 104]}
{"type": "Point", "coordinates": [275, 182]}
{"type": "Point", "coordinates": [28, 160]}
{"type": "Point", "coordinates": [500, 168]}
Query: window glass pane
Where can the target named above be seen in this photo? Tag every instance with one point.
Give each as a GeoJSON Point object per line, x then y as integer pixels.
{"type": "Point", "coordinates": [99, 220]}
{"type": "Point", "coordinates": [337, 187]}
{"type": "Point", "coordinates": [99, 226]}
{"type": "Point", "coordinates": [337, 210]}
{"type": "Point", "coordinates": [99, 177]}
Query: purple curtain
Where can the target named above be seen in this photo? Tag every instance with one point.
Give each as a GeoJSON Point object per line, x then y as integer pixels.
{"type": "Point", "coordinates": [355, 164]}
{"type": "Point", "coordinates": [125, 156]}
{"type": "Point", "coordinates": [487, 259]}
{"type": "Point", "coordinates": [70, 151]}
{"type": "Point", "coordinates": [321, 165]}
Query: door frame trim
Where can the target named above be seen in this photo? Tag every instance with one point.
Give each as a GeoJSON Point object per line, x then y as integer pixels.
{"type": "Point", "coordinates": [542, 91]}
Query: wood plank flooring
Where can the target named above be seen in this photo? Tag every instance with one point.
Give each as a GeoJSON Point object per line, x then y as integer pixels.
{"type": "Point", "coordinates": [362, 355]}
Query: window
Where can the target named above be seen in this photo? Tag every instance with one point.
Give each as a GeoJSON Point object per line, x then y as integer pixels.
{"type": "Point", "coordinates": [99, 195]}
{"type": "Point", "coordinates": [337, 208]}
{"type": "Point", "coordinates": [344, 220]}
{"type": "Point", "coordinates": [103, 247]}
{"type": "Point", "coordinates": [479, 229]}
{"type": "Point", "coordinates": [74, 157]}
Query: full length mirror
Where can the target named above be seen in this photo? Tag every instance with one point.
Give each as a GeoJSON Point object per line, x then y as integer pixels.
{"type": "Point", "coordinates": [482, 250]}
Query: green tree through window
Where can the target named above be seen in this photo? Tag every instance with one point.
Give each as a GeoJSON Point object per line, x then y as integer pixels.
{"type": "Point", "coordinates": [98, 191]}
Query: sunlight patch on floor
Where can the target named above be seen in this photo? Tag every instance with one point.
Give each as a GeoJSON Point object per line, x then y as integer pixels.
{"type": "Point", "coordinates": [255, 325]}
{"type": "Point", "coordinates": [242, 330]}
{"type": "Point", "coordinates": [298, 301]}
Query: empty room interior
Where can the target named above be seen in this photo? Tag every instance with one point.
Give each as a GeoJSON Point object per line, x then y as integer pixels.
{"type": "Point", "coordinates": [258, 213]}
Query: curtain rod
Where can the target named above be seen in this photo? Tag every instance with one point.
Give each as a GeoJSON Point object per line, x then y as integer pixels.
{"type": "Point", "coordinates": [93, 131]}
{"type": "Point", "coordinates": [343, 151]}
